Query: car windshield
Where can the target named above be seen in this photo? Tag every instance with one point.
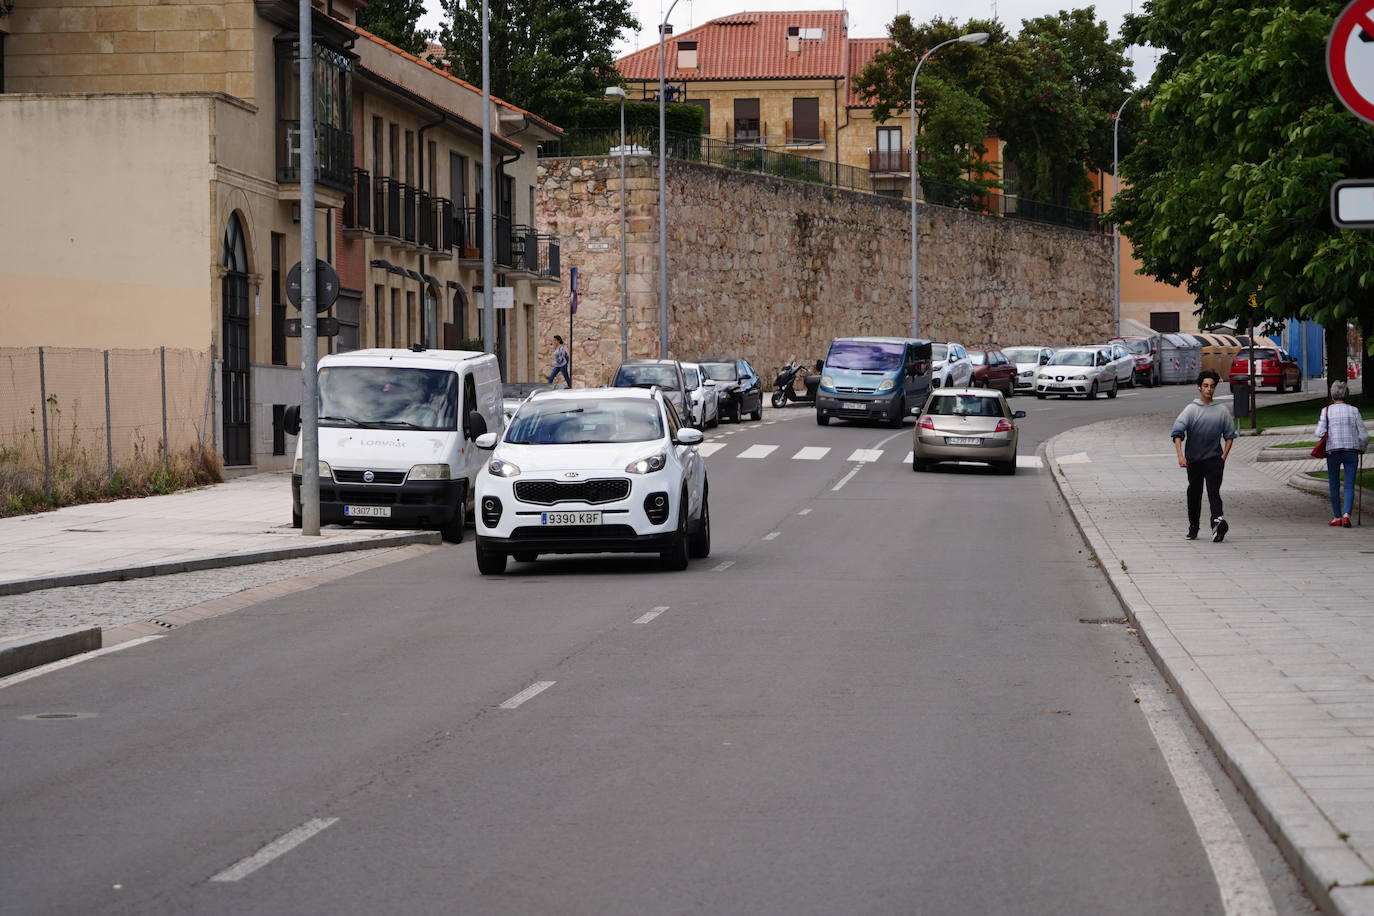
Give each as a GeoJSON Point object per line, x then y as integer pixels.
{"type": "Point", "coordinates": [864, 355]}
{"type": "Point", "coordinates": [691, 377]}
{"type": "Point", "coordinates": [939, 351]}
{"type": "Point", "coordinates": [979, 357]}
{"type": "Point", "coordinates": [964, 405]}
{"type": "Point", "coordinates": [1023, 354]}
{"type": "Point", "coordinates": [645, 376]}
{"type": "Point", "coordinates": [721, 372]}
{"type": "Point", "coordinates": [1260, 353]}
{"type": "Point", "coordinates": [388, 397]}
{"type": "Point", "coordinates": [571, 421]}
{"type": "Point", "coordinates": [1138, 347]}
{"type": "Point", "coordinates": [1080, 358]}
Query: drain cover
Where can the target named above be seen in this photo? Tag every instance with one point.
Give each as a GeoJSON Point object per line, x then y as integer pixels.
{"type": "Point", "coordinates": [59, 715]}
{"type": "Point", "coordinates": [1102, 621]}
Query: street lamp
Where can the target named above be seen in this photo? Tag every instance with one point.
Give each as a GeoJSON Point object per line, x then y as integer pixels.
{"type": "Point", "coordinates": [615, 92]}
{"type": "Point", "coordinates": [1116, 232]}
{"type": "Point", "coordinates": [973, 38]}
{"type": "Point", "coordinates": [663, 188]}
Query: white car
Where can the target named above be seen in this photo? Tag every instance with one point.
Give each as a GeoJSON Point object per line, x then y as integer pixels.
{"type": "Point", "coordinates": [593, 470]}
{"type": "Point", "coordinates": [1077, 370]}
{"type": "Point", "coordinates": [1122, 362]}
{"type": "Point", "coordinates": [1028, 361]}
{"type": "Point", "coordinates": [950, 366]}
{"type": "Point", "coordinates": [703, 397]}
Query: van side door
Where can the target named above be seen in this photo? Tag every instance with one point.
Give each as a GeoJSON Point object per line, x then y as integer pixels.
{"type": "Point", "coordinates": [472, 459]}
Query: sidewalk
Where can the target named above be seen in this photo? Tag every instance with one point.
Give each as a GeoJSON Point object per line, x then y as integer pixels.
{"type": "Point", "coordinates": [1267, 638]}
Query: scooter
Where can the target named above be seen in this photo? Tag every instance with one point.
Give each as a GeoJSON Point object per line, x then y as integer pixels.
{"type": "Point", "coordinates": [785, 384]}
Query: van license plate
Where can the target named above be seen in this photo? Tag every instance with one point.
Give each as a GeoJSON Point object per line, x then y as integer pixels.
{"type": "Point", "coordinates": [961, 440]}
{"type": "Point", "coordinates": [570, 518]}
{"type": "Point", "coordinates": [852, 405]}
{"type": "Point", "coordinates": [367, 511]}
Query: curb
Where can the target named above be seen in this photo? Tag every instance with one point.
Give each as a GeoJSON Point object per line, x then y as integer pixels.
{"type": "Point", "coordinates": [1300, 830]}
{"type": "Point", "coordinates": [43, 648]}
{"type": "Point", "coordinates": [22, 586]}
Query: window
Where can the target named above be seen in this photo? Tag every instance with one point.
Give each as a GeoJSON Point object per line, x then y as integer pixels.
{"type": "Point", "coordinates": [888, 155]}
{"type": "Point", "coordinates": [395, 318]}
{"type": "Point", "coordinates": [394, 135]}
{"type": "Point", "coordinates": [747, 126]}
{"type": "Point", "coordinates": [1166, 322]}
{"type": "Point", "coordinates": [458, 180]}
{"type": "Point", "coordinates": [278, 429]}
{"type": "Point", "coordinates": [806, 120]}
{"type": "Point", "coordinates": [332, 119]}
{"type": "Point", "coordinates": [378, 311]}
{"type": "Point", "coordinates": [410, 157]}
{"type": "Point", "coordinates": [431, 169]}
{"type": "Point", "coordinates": [278, 306]}
{"type": "Point", "coordinates": [686, 55]}
{"type": "Point", "coordinates": [412, 320]}
{"type": "Point", "coordinates": [346, 309]}
{"type": "Point", "coordinates": [378, 147]}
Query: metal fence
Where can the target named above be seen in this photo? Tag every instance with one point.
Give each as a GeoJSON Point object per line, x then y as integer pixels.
{"type": "Point", "coordinates": [750, 157]}
{"type": "Point", "coordinates": [104, 407]}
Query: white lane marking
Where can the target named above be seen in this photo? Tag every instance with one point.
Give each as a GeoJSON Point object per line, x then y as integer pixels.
{"type": "Point", "coordinates": [770, 535]}
{"type": "Point", "coordinates": [758, 451]}
{"type": "Point", "coordinates": [709, 448]}
{"type": "Point", "coordinates": [1029, 461]}
{"type": "Point", "coordinates": [1238, 877]}
{"type": "Point", "coordinates": [804, 512]}
{"type": "Point", "coordinates": [864, 455]}
{"type": "Point", "coordinates": [529, 692]}
{"type": "Point", "coordinates": [909, 456]}
{"type": "Point", "coordinates": [275, 849]}
{"type": "Point", "coordinates": [22, 676]}
{"type": "Point", "coordinates": [651, 615]}
{"type": "Point", "coordinates": [811, 453]}
{"type": "Point", "coordinates": [890, 438]}
{"type": "Point", "coordinates": [1075, 458]}
{"type": "Point", "coordinates": [769, 422]}
{"type": "Point", "coordinates": [724, 566]}
{"type": "Point", "coordinates": [846, 478]}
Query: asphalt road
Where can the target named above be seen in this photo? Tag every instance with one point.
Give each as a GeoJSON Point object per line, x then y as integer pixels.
{"type": "Point", "coordinates": [878, 695]}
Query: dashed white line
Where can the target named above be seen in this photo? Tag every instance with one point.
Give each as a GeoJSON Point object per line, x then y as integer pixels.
{"type": "Point", "coordinates": [74, 660]}
{"type": "Point", "coordinates": [909, 456]}
{"type": "Point", "coordinates": [811, 453]}
{"type": "Point", "coordinates": [275, 849]}
{"type": "Point", "coordinates": [651, 615]}
{"type": "Point", "coordinates": [723, 566]}
{"type": "Point", "coordinates": [529, 692]}
{"type": "Point", "coordinates": [865, 455]}
{"type": "Point", "coordinates": [758, 451]}
{"type": "Point", "coordinates": [846, 478]}
{"type": "Point", "coordinates": [771, 535]}
{"type": "Point", "coordinates": [804, 512]}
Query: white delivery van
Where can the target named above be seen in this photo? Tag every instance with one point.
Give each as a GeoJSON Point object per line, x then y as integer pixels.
{"type": "Point", "coordinates": [396, 436]}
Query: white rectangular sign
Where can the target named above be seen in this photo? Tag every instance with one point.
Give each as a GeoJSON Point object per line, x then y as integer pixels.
{"type": "Point", "coordinates": [503, 297]}
{"type": "Point", "coordinates": [1352, 204]}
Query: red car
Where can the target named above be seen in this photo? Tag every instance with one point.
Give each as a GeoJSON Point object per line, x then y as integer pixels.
{"type": "Point", "coordinates": [1274, 368]}
{"type": "Point", "coordinates": [1145, 351]}
{"type": "Point", "coordinates": [992, 369]}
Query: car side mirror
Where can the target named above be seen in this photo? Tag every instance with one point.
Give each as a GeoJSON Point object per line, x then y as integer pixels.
{"type": "Point", "coordinates": [477, 424]}
{"type": "Point", "coordinates": [291, 420]}
{"type": "Point", "coordinates": [915, 411]}
{"type": "Point", "coordinates": [486, 441]}
{"type": "Point", "coordinates": [1018, 415]}
{"type": "Point", "coordinates": [688, 435]}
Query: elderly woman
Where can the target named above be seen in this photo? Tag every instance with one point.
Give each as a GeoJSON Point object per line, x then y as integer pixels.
{"type": "Point", "coordinates": [1346, 440]}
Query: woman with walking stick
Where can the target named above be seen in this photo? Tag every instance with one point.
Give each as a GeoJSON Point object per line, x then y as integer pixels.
{"type": "Point", "coordinates": [1346, 440]}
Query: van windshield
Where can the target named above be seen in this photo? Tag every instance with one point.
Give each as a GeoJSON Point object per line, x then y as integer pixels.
{"type": "Point", "coordinates": [864, 355]}
{"type": "Point", "coordinates": [388, 397]}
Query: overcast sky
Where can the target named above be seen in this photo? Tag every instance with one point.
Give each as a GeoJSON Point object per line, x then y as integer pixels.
{"type": "Point", "coordinates": [867, 18]}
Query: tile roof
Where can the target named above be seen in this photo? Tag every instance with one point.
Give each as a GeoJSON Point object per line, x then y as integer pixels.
{"type": "Point", "coordinates": [751, 46]}
{"type": "Point", "coordinates": [861, 51]}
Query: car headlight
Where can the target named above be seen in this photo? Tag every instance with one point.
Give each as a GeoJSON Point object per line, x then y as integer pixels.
{"type": "Point", "coordinates": [655, 462]}
{"type": "Point", "coordinates": [886, 384]}
{"type": "Point", "coordinates": [1078, 378]}
{"type": "Point", "coordinates": [429, 472]}
{"type": "Point", "coordinates": [827, 382]}
{"type": "Point", "coordinates": [325, 469]}
{"type": "Point", "coordinates": [498, 467]}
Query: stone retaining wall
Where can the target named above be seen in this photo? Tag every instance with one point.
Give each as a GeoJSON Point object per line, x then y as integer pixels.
{"type": "Point", "coordinates": [768, 268]}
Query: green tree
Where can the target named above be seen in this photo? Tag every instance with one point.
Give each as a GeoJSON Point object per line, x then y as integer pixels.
{"type": "Point", "coordinates": [1227, 190]}
{"type": "Point", "coordinates": [397, 21]}
{"type": "Point", "coordinates": [546, 56]}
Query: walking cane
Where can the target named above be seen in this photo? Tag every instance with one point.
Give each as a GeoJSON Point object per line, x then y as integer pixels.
{"type": "Point", "coordinates": [1359, 489]}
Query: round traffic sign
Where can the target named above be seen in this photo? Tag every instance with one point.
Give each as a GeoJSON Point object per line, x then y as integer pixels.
{"type": "Point", "coordinates": [1350, 59]}
{"type": "Point", "coordinates": [326, 285]}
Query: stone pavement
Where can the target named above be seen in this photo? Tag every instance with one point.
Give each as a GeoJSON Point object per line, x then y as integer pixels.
{"type": "Point", "coordinates": [1267, 638]}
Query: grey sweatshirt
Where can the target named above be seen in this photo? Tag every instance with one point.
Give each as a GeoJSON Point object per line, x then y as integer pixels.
{"type": "Point", "coordinates": [1202, 427]}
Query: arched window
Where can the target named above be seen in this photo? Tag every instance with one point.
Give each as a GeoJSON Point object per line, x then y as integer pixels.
{"type": "Point", "coordinates": [238, 443]}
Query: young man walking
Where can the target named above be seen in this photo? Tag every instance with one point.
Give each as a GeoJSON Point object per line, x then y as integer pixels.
{"type": "Point", "coordinates": [1203, 435]}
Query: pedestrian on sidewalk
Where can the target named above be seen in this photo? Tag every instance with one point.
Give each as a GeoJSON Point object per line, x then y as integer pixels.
{"type": "Point", "coordinates": [1203, 435]}
{"type": "Point", "coordinates": [1346, 440]}
{"type": "Point", "coordinates": [560, 362]}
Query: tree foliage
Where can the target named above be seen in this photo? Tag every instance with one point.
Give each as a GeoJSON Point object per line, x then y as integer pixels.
{"type": "Point", "coordinates": [546, 56]}
{"type": "Point", "coordinates": [397, 21]}
{"type": "Point", "coordinates": [1228, 187]}
{"type": "Point", "coordinates": [1050, 92]}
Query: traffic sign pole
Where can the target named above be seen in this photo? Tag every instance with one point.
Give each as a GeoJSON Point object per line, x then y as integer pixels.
{"type": "Point", "coordinates": [310, 414]}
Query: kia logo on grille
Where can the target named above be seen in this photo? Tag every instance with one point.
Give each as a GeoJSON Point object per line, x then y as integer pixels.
{"type": "Point", "coordinates": [572, 474]}
{"type": "Point", "coordinates": [368, 477]}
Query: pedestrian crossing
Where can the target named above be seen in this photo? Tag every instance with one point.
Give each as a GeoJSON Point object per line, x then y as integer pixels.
{"type": "Point", "coordinates": [821, 452]}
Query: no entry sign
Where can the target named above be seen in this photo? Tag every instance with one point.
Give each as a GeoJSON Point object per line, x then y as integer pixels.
{"type": "Point", "coordinates": [1350, 59]}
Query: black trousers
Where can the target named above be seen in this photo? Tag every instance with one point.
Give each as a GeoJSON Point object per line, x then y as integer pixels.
{"type": "Point", "coordinates": [1207, 472]}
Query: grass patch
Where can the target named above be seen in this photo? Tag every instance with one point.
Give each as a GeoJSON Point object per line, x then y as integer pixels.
{"type": "Point", "coordinates": [1304, 413]}
{"type": "Point", "coordinates": [1364, 478]}
{"type": "Point", "coordinates": [1307, 445]}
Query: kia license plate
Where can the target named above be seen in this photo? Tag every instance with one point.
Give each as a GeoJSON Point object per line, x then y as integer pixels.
{"type": "Point", "coordinates": [570, 518]}
{"type": "Point", "coordinates": [854, 405]}
{"type": "Point", "coordinates": [367, 511]}
{"type": "Point", "coordinates": [961, 440]}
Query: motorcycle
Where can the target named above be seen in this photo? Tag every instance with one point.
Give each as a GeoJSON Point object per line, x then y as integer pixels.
{"type": "Point", "coordinates": [784, 386]}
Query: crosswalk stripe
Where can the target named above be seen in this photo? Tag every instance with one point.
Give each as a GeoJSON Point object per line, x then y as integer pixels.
{"type": "Point", "coordinates": [758, 451]}
{"type": "Point", "coordinates": [810, 453]}
{"type": "Point", "coordinates": [707, 449]}
{"type": "Point", "coordinates": [866, 454]}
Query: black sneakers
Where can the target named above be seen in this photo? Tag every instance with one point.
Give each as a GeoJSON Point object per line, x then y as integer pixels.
{"type": "Point", "coordinates": [1219, 529]}
{"type": "Point", "coordinates": [1192, 534]}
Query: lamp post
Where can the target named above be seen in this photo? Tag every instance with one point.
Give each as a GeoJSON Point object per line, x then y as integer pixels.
{"type": "Point", "coordinates": [486, 210]}
{"type": "Point", "coordinates": [663, 188]}
{"type": "Point", "coordinates": [615, 92]}
{"type": "Point", "coordinates": [1116, 231]}
{"type": "Point", "coordinates": [973, 38]}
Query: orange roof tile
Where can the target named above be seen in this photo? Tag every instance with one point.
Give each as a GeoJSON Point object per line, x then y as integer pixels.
{"type": "Point", "coordinates": [861, 51]}
{"type": "Point", "coordinates": [751, 46]}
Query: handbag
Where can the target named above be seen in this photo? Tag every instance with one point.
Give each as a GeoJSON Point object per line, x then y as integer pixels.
{"type": "Point", "coordinates": [1319, 450]}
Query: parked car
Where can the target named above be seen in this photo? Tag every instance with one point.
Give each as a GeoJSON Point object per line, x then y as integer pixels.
{"type": "Point", "coordinates": [592, 471]}
{"type": "Point", "coordinates": [740, 389]}
{"type": "Point", "coordinates": [950, 365]}
{"type": "Point", "coordinates": [513, 394]}
{"type": "Point", "coordinates": [966, 424]}
{"type": "Point", "coordinates": [703, 396]}
{"type": "Point", "coordinates": [1274, 368]}
{"type": "Point", "coordinates": [1145, 352]}
{"type": "Point", "coordinates": [1122, 363]}
{"type": "Point", "coordinates": [992, 369]}
{"type": "Point", "coordinates": [1028, 361]}
{"type": "Point", "coordinates": [873, 378]}
{"type": "Point", "coordinates": [1076, 370]}
{"type": "Point", "coordinates": [663, 373]}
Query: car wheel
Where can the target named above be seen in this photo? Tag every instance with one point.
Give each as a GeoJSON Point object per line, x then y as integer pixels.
{"type": "Point", "coordinates": [757, 412]}
{"type": "Point", "coordinates": [1111, 395]}
{"type": "Point", "coordinates": [453, 531]}
{"type": "Point", "coordinates": [715, 421]}
{"type": "Point", "coordinates": [822, 419]}
{"type": "Point", "coordinates": [920, 465]}
{"type": "Point", "coordinates": [699, 543]}
{"type": "Point", "coordinates": [1092, 392]}
{"type": "Point", "coordinates": [1281, 387]}
{"type": "Point", "coordinates": [490, 562]}
{"type": "Point", "coordinates": [1009, 467]}
{"type": "Point", "coordinates": [1297, 386]}
{"type": "Point", "coordinates": [896, 422]}
{"type": "Point", "coordinates": [674, 558]}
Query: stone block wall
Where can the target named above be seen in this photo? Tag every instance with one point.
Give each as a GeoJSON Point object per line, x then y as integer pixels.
{"type": "Point", "coordinates": [768, 268]}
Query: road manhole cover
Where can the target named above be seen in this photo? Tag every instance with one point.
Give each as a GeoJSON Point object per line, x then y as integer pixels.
{"type": "Point", "coordinates": [59, 715]}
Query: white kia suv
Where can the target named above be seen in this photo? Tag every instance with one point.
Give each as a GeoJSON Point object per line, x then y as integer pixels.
{"type": "Point", "coordinates": [593, 470]}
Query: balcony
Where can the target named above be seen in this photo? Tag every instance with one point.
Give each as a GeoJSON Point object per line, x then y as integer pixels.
{"type": "Point", "coordinates": [813, 133]}
{"type": "Point", "coordinates": [749, 132]}
{"type": "Point", "coordinates": [467, 233]}
{"type": "Point", "coordinates": [436, 226]}
{"type": "Point", "coordinates": [535, 255]}
{"type": "Point", "coordinates": [889, 161]}
{"type": "Point", "coordinates": [357, 206]}
{"type": "Point", "coordinates": [334, 162]}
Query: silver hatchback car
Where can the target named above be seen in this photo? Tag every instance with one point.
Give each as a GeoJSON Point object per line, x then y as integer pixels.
{"type": "Point", "coordinates": [965, 424]}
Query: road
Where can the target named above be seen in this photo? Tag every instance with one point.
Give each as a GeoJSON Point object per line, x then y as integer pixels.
{"type": "Point", "coordinates": [884, 692]}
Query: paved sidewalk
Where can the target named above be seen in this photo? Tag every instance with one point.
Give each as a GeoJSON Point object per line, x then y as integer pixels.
{"type": "Point", "coordinates": [1268, 637]}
